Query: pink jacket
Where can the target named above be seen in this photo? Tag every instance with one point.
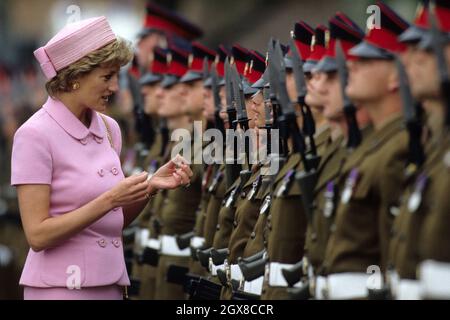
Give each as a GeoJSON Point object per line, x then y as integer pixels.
{"type": "Point", "coordinates": [53, 147]}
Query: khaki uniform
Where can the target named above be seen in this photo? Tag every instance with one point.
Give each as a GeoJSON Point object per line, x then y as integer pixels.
{"type": "Point", "coordinates": [374, 181]}
{"type": "Point", "coordinates": [194, 266]}
{"type": "Point", "coordinates": [146, 273]}
{"type": "Point", "coordinates": [403, 249]}
{"type": "Point", "coordinates": [213, 207]}
{"type": "Point", "coordinates": [178, 215]}
{"type": "Point", "coordinates": [326, 195]}
{"type": "Point", "coordinates": [244, 221]}
{"type": "Point", "coordinates": [435, 236]}
{"type": "Point", "coordinates": [287, 221]}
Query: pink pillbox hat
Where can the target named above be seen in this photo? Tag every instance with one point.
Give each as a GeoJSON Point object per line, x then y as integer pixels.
{"type": "Point", "coordinates": [72, 43]}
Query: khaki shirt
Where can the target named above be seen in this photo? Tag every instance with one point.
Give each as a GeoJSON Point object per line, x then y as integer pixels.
{"type": "Point", "coordinates": [373, 183]}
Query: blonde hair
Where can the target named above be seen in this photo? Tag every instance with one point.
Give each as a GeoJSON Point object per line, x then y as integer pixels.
{"type": "Point", "coordinates": [117, 53]}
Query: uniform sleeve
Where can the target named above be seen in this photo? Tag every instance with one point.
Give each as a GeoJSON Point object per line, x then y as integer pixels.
{"type": "Point", "coordinates": [31, 161]}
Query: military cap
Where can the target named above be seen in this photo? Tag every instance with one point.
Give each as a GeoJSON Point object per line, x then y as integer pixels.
{"type": "Point", "coordinates": [303, 34]}
{"type": "Point", "coordinates": [239, 56]}
{"type": "Point", "coordinates": [342, 28]}
{"type": "Point", "coordinates": [163, 20]}
{"type": "Point", "coordinates": [195, 61]}
{"type": "Point", "coordinates": [317, 48]}
{"type": "Point", "coordinates": [382, 42]}
{"type": "Point", "coordinates": [442, 11]}
{"type": "Point", "coordinates": [257, 65]}
{"type": "Point", "coordinates": [157, 68]}
{"type": "Point", "coordinates": [178, 65]}
{"type": "Point", "coordinates": [416, 31]}
{"type": "Point", "coordinates": [133, 70]}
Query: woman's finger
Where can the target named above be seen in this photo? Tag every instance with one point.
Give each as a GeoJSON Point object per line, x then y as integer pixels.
{"type": "Point", "coordinates": [187, 169]}
{"type": "Point", "coordinates": [184, 177]}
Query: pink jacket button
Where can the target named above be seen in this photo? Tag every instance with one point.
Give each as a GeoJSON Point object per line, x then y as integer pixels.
{"type": "Point", "coordinates": [101, 172]}
{"type": "Point", "coordinates": [98, 139]}
{"type": "Point", "coordinates": [114, 171]}
{"type": "Point", "coordinates": [83, 141]}
{"type": "Point", "coordinates": [116, 243]}
{"type": "Point", "coordinates": [102, 243]}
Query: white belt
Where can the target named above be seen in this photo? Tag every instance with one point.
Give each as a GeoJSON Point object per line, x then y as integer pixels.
{"type": "Point", "coordinates": [197, 242]}
{"type": "Point", "coordinates": [235, 272]}
{"type": "Point", "coordinates": [213, 268]}
{"type": "Point", "coordinates": [153, 244]}
{"type": "Point", "coordinates": [320, 287]}
{"type": "Point", "coordinates": [142, 236]}
{"type": "Point", "coordinates": [169, 247]}
{"type": "Point", "coordinates": [276, 278]}
{"type": "Point", "coordinates": [254, 286]}
{"type": "Point", "coordinates": [349, 285]}
{"type": "Point", "coordinates": [435, 279]}
{"type": "Point", "coordinates": [408, 290]}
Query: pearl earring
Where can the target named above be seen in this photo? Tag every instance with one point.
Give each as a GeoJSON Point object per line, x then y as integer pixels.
{"type": "Point", "coordinates": [75, 86]}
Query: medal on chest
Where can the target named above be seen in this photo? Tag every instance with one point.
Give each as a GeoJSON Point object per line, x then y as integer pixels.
{"type": "Point", "coordinates": [415, 199]}
{"type": "Point", "coordinates": [231, 198]}
{"type": "Point", "coordinates": [284, 187]}
{"type": "Point", "coordinates": [266, 204]}
{"type": "Point", "coordinates": [217, 178]}
{"type": "Point", "coordinates": [329, 199]}
{"type": "Point", "coordinates": [350, 184]}
{"type": "Point", "coordinates": [255, 186]}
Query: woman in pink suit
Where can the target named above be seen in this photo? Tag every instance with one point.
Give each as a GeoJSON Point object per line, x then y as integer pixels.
{"type": "Point", "coordinates": [74, 200]}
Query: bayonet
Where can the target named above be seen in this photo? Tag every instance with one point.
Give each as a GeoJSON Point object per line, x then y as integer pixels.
{"type": "Point", "coordinates": [309, 125]}
{"type": "Point", "coordinates": [412, 120]}
{"type": "Point", "coordinates": [354, 134]}
{"type": "Point", "coordinates": [437, 42]}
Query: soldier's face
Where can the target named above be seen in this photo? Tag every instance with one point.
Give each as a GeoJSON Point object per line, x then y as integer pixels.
{"type": "Point", "coordinates": [290, 85]}
{"type": "Point", "coordinates": [208, 104]}
{"type": "Point", "coordinates": [423, 76]}
{"type": "Point", "coordinates": [329, 89]}
{"type": "Point", "coordinates": [173, 98]}
{"type": "Point", "coordinates": [150, 101]}
{"type": "Point", "coordinates": [313, 98]}
{"type": "Point", "coordinates": [97, 87]}
{"type": "Point", "coordinates": [258, 109]}
{"type": "Point", "coordinates": [194, 97]}
{"type": "Point", "coordinates": [370, 80]}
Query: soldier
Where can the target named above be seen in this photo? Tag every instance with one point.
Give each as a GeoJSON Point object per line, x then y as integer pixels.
{"type": "Point", "coordinates": [359, 240]}
{"type": "Point", "coordinates": [417, 225]}
{"type": "Point", "coordinates": [178, 210]}
{"type": "Point", "coordinates": [193, 79]}
{"type": "Point", "coordinates": [247, 213]}
{"type": "Point", "coordinates": [149, 216]}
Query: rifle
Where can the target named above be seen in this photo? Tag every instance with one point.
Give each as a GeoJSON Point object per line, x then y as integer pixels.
{"type": "Point", "coordinates": [354, 134]}
{"type": "Point", "coordinates": [309, 125]}
{"type": "Point", "coordinates": [411, 111]}
{"type": "Point", "coordinates": [437, 43]}
{"type": "Point", "coordinates": [232, 170]}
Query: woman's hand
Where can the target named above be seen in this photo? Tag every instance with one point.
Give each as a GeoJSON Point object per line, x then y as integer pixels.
{"type": "Point", "coordinates": [173, 174]}
{"type": "Point", "coordinates": [129, 190]}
